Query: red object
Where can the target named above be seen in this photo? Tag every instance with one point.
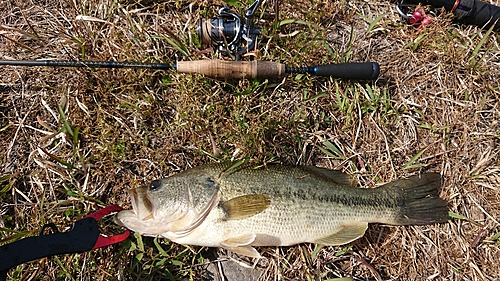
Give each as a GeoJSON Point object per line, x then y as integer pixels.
{"type": "Point", "coordinates": [420, 18]}
{"type": "Point", "coordinates": [417, 16]}
{"type": "Point", "coordinates": [106, 241]}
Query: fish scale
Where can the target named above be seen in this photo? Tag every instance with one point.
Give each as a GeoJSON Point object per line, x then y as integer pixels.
{"type": "Point", "coordinates": [293, 198]}
{"type": "Point", "coordinates": [236, 208]}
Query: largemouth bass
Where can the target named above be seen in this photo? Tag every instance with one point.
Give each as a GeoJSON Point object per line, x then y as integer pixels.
{"type": "Point", "coordinates": [237, 208]}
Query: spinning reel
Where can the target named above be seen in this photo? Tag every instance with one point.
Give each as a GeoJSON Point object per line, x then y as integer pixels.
{"type": "Point", "coordinates": [230, 33]}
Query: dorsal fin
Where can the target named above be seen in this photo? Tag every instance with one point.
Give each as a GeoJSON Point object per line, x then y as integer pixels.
{"type": "Point", "coordinates": [335, 176]}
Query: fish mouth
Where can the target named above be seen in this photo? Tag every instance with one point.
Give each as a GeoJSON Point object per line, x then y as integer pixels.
{"type": "Point", "coordinates": [142, 204]}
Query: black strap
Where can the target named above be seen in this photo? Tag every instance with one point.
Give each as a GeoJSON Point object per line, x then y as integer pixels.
{"type": "Point", "coordinates": [82, 237]}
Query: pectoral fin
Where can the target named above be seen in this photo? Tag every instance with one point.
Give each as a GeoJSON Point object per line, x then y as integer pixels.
{"type": "Point", "coordinates": [241, 245]}
{"type": "Point", "coordinates": [346, 234]}
{"type": "Point", "coordinates": [245, 206]}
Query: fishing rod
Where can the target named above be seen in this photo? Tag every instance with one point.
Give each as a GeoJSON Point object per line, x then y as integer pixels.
{"type": "Point", "coordinates": [472, 12]}
{"type": "Point", "coordinates": [223, 68]}
{"type": "Point", "coordinates": [235, 36]}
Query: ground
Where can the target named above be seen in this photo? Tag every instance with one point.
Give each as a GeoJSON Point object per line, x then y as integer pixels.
{"type": "Point", "coordinates": [74, 140]}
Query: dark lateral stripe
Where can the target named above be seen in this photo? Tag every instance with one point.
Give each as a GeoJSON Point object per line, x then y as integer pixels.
{"type": "Point", "coordinates": [369, 199]}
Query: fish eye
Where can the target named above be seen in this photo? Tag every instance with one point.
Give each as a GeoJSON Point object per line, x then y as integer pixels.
{"type": "Point", "coordinates": [155, 185]}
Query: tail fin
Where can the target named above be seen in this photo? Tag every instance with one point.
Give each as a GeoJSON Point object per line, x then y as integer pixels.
{"type": "Point", "coordinates": [418, 199]}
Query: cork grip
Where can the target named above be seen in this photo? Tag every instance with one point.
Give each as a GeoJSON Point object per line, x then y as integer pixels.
{"type": "Point", "coordinates": [233, 69]}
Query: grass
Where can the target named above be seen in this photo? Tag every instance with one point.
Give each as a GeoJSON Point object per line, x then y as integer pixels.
{"type": "Point", "coordinates": [74, 140]}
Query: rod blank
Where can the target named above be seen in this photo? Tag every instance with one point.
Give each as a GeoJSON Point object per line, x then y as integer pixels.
{"type": "Point", "coordinates": [89, 64]}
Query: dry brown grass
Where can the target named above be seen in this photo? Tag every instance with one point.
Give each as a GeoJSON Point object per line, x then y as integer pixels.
{"type": "Point", "coordinates": [435, 95]}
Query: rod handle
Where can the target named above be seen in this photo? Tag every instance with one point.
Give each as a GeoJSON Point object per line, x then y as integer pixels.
{"type": "Point", "coordinates": [354, 70]}
{"type": "Point", "coordinates": [233, 69]}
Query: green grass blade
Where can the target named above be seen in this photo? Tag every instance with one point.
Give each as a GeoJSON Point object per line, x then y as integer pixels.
{"type": "Point", "coordinates": [17, 235]}
{"type": "Point", "coordinates": [5, 183]}
{"type": "Point", "coordinates": [473, 61]}
{"type": "Point", "coordinates": [160, 249]}
{"type": "Point", "coordinates": [316, 251]}
{"type": "Point", "coordinates": [495, 237]}
{"type": "Point", "coordinates": [342, 251]}
{"type": "Point", "coordinates": [140, 243]}
{"type": "Point", "coordinates": [411, 165]}
{"type": "Point", "coordinates": [320, 95]}
{"type": "Point", "coordinates": [5, 128]}
{"type": "Point", "coordinates": [178, 47]}
{"type": "Point", "coordinates": [290, 21]}
{"type": "Point", "coordinates": [328, 48]}
{"type": "Point", "coordinates": [58, 159]}
{"type": "Point", "coordinates": [62, 116]}
{"type": "Point", "coordinates": [373, 23]}
{"type": "Point", "coordinates": [461, 217]}
{"type": "Point", "coordinates": [332, 151]}
{"type": "Point", "coordinates": [235, 165]}
{"type": "Point", "coordinates": [234, 3]}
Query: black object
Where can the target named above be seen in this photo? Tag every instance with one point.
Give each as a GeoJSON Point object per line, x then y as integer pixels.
{"type": "Point", "coordinates": [84, 236]}
{"type": "Point", "coordinates": [478, 13]}
{"type": "Point", "coordinates": [473, 12]}
{"type": "Point", "coordinates": [87, 64]}
{"type": "Point", "coordinates": [355, 70]}
{"type": "Point", "coordinates": [78, 240]}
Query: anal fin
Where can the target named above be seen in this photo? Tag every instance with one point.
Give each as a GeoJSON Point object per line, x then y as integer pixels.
{"type": "Point", "coordinates": [346, 234]}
